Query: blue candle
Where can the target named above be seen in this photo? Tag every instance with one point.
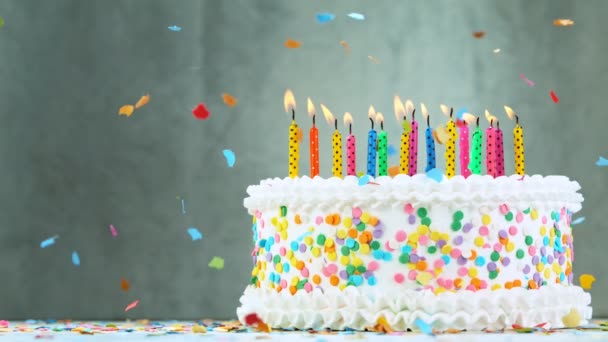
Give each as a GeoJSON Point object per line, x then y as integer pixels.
{"type": "Point", "coordinates": [372, 138]}
{"type": "Point", "coordinates": [430, 147]}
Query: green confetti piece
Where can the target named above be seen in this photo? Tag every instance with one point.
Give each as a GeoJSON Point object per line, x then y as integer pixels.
{"type": "Point", "coordinates": [1, 22]}
{"type": "Point", "coordinates": [283, 211]}
{"type": "Point", "coordinates": [217, 263]}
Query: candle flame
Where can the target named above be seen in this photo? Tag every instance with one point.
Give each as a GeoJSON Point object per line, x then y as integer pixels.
{"type": "Point", "coordinates": [469, 118]}
{"type": "Point", "coordinates": [425, 112]}
{"type": "Point", "coordinates": [311, 107]}
{"type": "Point", "coordinates": [371, 113]}
{"type": "Point", "coordinates": [491, 118]}
{"type": "Point", "coordinates": [445, 109]}
{"type": "Point", "coordinates": [348, 119]}
{"type": "Point", "coordinates": [510, 112]}
{"type": "Point", "coordinates": [329, 117]}
{"type": "Point", "coordinates": [289, 101]}
{"type": "Point", "coordinates": [379, 118]}
{"type": "Point", "coordinates": [399, 109]}
{"type": "Point", "coordinates": [409, 106]}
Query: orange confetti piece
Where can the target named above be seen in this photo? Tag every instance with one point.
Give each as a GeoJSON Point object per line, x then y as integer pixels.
{"type": "Point", "coordinates": [393, 170]}
{"type": "Point", "coordinates": [229, 100]}
{"type": "Point", "coordinates": [142, 101]}
{"type": "Point", "coordinates": [132, 305]}
{"type": "Point", "coordinates": [563, 22]}
{"type": "Point", "coordinates": [292, 44]}
{"type": "Point", "coordinates": [300, 135]}
{"type": "Point", "coordinates": [479, 34]}
{"type": "Point", "coordinates": [124, 284]}
{"type": "Point", "coordinates": [126, 110]}
{"type": "Point", "coordinates": [383, 326]}
{"type": "Point", "coordinates": [373, 59]}
{"type": "Point", "coordinates": [586, 280]}
{"type": "Point", "coordinates": [345, 45]}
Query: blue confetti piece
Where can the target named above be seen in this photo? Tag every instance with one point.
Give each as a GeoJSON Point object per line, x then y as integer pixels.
{"type": "Point", "coordinates": [195, 234]}
{"type": "Point", "coordinates": [356, 16]}
{"type": "Point", "coordinates": [601, 161]}
{"type": "Point", "coordinates": [435, 174]}
{"type": "Point", "coordinates": [391, 150]}
{"type": "Point", "coordinates": [578, 221]}
{"type": "Point", "coordinates": [48, 242]}
{"type": "Point", "coordinates": [174, 28]}
{"type": "Point", "coordinates": [75, 258]}
{"type": "Point", "coordinates": [301, 237]}
{"type": "Point", "coordinates": [323, 18]}
{"type": "Point", "coordinates": [364, 180]}
{"type": "Point", "coordinates": [230, 157]}
{"type": "Point", "coordinates": [461, 112]}
{"type": "Point", "coordinates": [424, 327]}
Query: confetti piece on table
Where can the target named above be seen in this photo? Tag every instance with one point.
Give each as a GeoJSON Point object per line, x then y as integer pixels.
{"type": "Point", "coordinates": [496, 50]}
{"type": "Point", "coordinates": [174, 28]}
{"type": "Point", "coordinates": [356, 16]}
{"type": "Point", "coordinates": [255, 321]}
{"type": "Point", "coordinates": [479, 34]}
{"type": "Point", "coordinates": [586, 280]}
{"type": "Point", "coordinates": [601, 161]}
{"type": "Point", "coordinates": [435, 174]}
{"type": "Point", "coordinates": [3, 323]}
{"type": "Point", "coordinates": [132, 305]}
{"type": "Point", "coordinates": [563, 22]}
{"type": "Point", "coordinates": [423, 326]}
{"type": "Point", "coordinates": [325, 17]}
{"type": "Point", "coordinates": [198, 329]}
{"type": "Point", "coordinates": [113, 231]}
{"type": "Point", "coordinates": [142, 101]}
{"type": "Point", "coordinates": [230, 157]}
{"type": "Point", "coordinates": [373, 59]}
{"type": "Point", "coordinates": [363, 180]}
{"type": "Point", "coordinates": [572, 319]}
{"type": "Point", "coordinates": [75, 258]}
{"type": "Point", "coordinates": [195, 234]}
{"type": "Point", "coordinates": [345, 45]}
{"type": "Point", "coordinates": [383, 326]}
{"type": "Point", "coordinates": [124, 285]}
{"type": "Point", "coordinates": [200, 112]}
{"type": "Point", "coordinates": [554, 97]}
{"type": "Point", "coordinates": [393, 170]}
{"type": "Point", "coordinates": [578, 221]}
{"type": "Point", "coordinates": [217, 263]}
{"type": "Point", "coordinates": [126, 110]}
{"type": "Point", "coordinates": [525, 79]}
{"type": "Point", "coordinates": [292, 44]}
{"type": "Point", "coordinates": [229, 100]}
{"type": "Point", "coordinates": [48, 242]}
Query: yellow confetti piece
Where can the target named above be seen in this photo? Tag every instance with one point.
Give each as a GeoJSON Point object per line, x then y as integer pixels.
{"type": "Point", "coordinates": [441, 135]}
{"type": "Point", "coordinates": [383, 326]}
{"type": "Point", "coordinates": [563, 22]}
{"type": "Point", "coordinates": [292, 44]}
{"type": "Point", "coordinates": [199, 329]}
{"type": "Point", "coordinates": [142, 101]}
{"type": "Point", "coordinates": [586, 280]}
{"type": "Point", "coordinates": [373, 59]}
{"type": "Point", "coordinates": [229, 100]}
{"type": "Point", "coordinates": [345, 45]}
{"type": "Point", "coordinates": [126, 110]}
{"type": "Point", "coordinates": [572, 319]}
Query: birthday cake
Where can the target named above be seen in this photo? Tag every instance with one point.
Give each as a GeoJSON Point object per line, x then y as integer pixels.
{"type": "Point", "coordinates": [457, 253]}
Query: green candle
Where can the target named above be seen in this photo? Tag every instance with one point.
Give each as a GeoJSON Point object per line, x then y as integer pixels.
{"type": "Point", "coordinates": [382, 149]}
{"type": "Point", "coordinates": [475, 163]}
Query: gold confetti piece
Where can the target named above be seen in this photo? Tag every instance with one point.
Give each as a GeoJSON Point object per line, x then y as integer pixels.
{"type": "Point", "coordinates": [199, 329]}
{"type": "Point", "coordinates": [479, 34]}
{"type": "Point", "coordinates": [383, 326]}
{"type": "Point", "coordinates": [586, 280]}
{"type": "Point", "coordinates": [373, 59]}
{"type": "Point", "coordinates": [124, 284]}
{"type": "Point", "coordinates": [300, 135]}
{"type": "Point", "coordinates": [572, 319]}
{"type": "Point", "coordinates": [393, 170]}
{"type": "Point", "coordinates": [142, 101]}
{"type": "Point", "coordinates": [229, 100]}
{"type": "Point", "coordinates": [563, 22]}
{"type": "Point", "coordinates": [292, 44]}
{"type": "Point", "coordinates": [126, 110]}
{"type": "Point", "coordinates": [441, 135]}
{"type": "Point", "coordinates": [346, 47]}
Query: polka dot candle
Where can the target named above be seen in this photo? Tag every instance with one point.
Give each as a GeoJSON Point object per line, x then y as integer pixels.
{"type": "Point", "coordinates": [518, 138]}
{"type": "Point", "coordinates": [475, 163]}
{"type": "Point", "coordinates": [404, 153]}
{"type": "Point", "coordinates": [372, 140]}
{"type": "Point", "coordinates": [336, 143]}
{"type": "Point", "coordinates": [463, 141]}
{"type": "Point", "coordinates": [500, 157]}
{"type": "Point", "coordinates": [294, 150]}
{"type": "Point", "coordinates": [382, 154]}
{"type": "Point", "coordinates": [430, 149]}
{"type": "Point", "coordinates": [413, 148]}
{"type": "Point", "coordinates": [491, 150]}
{"type": "Point", "coordinates": [450, 149]}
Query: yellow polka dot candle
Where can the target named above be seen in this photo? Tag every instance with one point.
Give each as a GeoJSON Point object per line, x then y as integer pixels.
{"type": "Point", "coordinates": [450, 146]}
{"type": "Point", "coordinates": [404, 148]}
{"type": "Point", "coordinates": [294, 146]}
{"type": "Point", "coordinates": [518, 143]}
{"type": "Point", "coordinates": [336, 143]}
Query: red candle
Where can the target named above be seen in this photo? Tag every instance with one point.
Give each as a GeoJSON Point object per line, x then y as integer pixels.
{"type": "Point", "coordinates": [314, 142]}
{"type": "Point", "coordinates": [351, 147]}
{"type": "Point", "coordinates": [490, 146]}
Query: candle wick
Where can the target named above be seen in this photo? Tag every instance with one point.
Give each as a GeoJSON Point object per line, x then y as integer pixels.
{"type": "Point", "coordinates": [372, 121]}
{"type": "Point", "coordinates": [413, 112]}
{"type": "Point", "coordinates": [477, 121]}
{"type": "Point", "coordinates": [336, 124]}
{"type": "Point", "coordinates": [491, 123]}
{"type": "Point", "coordinates": [314, 116]}
{"type": "Point", "coordinates": [350, 129]}
{"type": "Point", "coordinates": [382, 125]}
{"type": "Point", "coordinates": [451, 112]}
{"type": "Point", "coordinates": [516, 120]}
{"type": "Point", "coordinates": [293, 114]}
{"type": "Point", "coordinates": [428, 120]}
{"type": "Point", "coordinates": [498, 125]}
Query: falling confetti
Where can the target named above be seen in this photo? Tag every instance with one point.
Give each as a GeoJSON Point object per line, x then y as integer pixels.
{"type": "Point", "coordinates": [496, 50]}
{"type": "Point", "coordinates": [1, 22]}
{"type": "Point", "coordinates": [142, 101]}
{"type": "Point", "coordinates": [393, 170]}
{"type": "Point", "coordinates": [75, 258]}
{"type": "Point", "coordinates": [48, 242]}
{"type": "Point", "coordinates": [578, 221]}
{"type": "Point", "coordinates": [363, 180]}
{"type": "Point", "coordinates": [325, 17]}
{"type": "Point", "coordinates": [255, 321]}
{"type": "Point", "coordinates": [124, 284]}
{"type": "Point", "coordinates": [345, 45]}
{"type": "Point", "coordinates": [441, 135]}
{"type": "Point", "coordinates": [356, 16]}
{"type": "Point", "coordinates": [554, 97]}
{"type": "Point", "coordinates": [217, 263]}
{"type": "Point", "coordinates": [230, 157]}
{"type": "Point", "coordinates": [435, 174]}
{"type": "Point", "coordinates": [563, 22]}
{"type": "Point", "coordinates": [132, 305]}
{"type": "Point", "coordinates": [126, 110]}
{"type": "Point", "coordinates": [174, 28]}
{"type": "Point", "coordinates": [200, 112]}
{"type": "Point", "coordinates": [391, 150]}
{"type": "Point", "coordinates": [195, 234]}
{"type": "Point", "coordinates": [292, 44]}
{"type": "Point", "coordinates": [113, 231]}
{"type": "Point", "coordinates": [183, 207]}
{"type": "Point", "coordinates": [229, 100]}
{"type": "Point", "coordinates": [601, 161]}
{"type": "Point", "coordinates": [586, 280]}
{"type": "Point", "coordinates": [373, 59]}
{"type": "Point", "coordinates": [572, 319]}
{"type": "Point", "coordinates": [300, 135]}
{"type": "Point", "coordinates": [423, 326]}
{"type": "Point", "coordinates": [479, 34]}
{"type": "Point", "coordinates": [525, 79]}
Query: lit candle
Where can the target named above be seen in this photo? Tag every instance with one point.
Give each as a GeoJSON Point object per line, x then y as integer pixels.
{"type": "Point", "coordinates": [294, 146]}
{"type": "Point", "coordinates": [372, 138]}
{"type": "Point", "coordinates": [351, 147]}
{"type": "Point", "coordinates": [463, 141]}
{"type": "Point", "coordinates": [490, 146]}
{"type": "Point", "coordinates": [314, 142]}
{"type": "Point", "coordinates": [382, 147]}
{"type": "Point", "coordinates": [413, 157]}
{"type": "Point", "coordinates": [500, 152]}
{"type": "Point", "coordinates": [450, 145]}
{"type": "Point", "coordinates": [405, 135]}
{"type": "Point", "coordinates": [518, 143]}
{"type": "Point", "coordinates": [336, 143]}
{"type": "Point", "coordinates": [430, 142]}
{"type": "Point", "coordinates": [475, 164]}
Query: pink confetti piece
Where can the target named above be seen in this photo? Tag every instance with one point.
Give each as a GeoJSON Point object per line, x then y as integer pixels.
{"type": "Point", "coordinates": [525, 79]}
{"type": "Point", "coordinates": [113, 231]}
{"type": "Point", "coordinates": [3, 324]}
{"type": "Point", "coordinates": [132, 305]}
{"type": "Point", "coordinates": [554, 97]}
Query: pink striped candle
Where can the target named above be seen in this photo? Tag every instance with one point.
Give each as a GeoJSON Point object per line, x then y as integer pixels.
{"type": "Point", "coordinates": [500, 155]}
{"type": "Point", "coordinates": [464, 149]}
{"type": "Point", "coordinates": [413, 148]}
{"type": "Point", "coordinates": [491, 150]}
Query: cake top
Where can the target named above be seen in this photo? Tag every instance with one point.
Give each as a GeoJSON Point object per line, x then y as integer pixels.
{"type": "Point", "coordinates": [520, 192]}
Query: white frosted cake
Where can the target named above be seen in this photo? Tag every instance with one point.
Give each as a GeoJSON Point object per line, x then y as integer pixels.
{"type": "Point", "coordinates": [472, 253]}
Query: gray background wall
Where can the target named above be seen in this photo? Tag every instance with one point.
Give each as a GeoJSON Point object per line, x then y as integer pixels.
{"type": "Point", "coordinates": [70, 166]}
